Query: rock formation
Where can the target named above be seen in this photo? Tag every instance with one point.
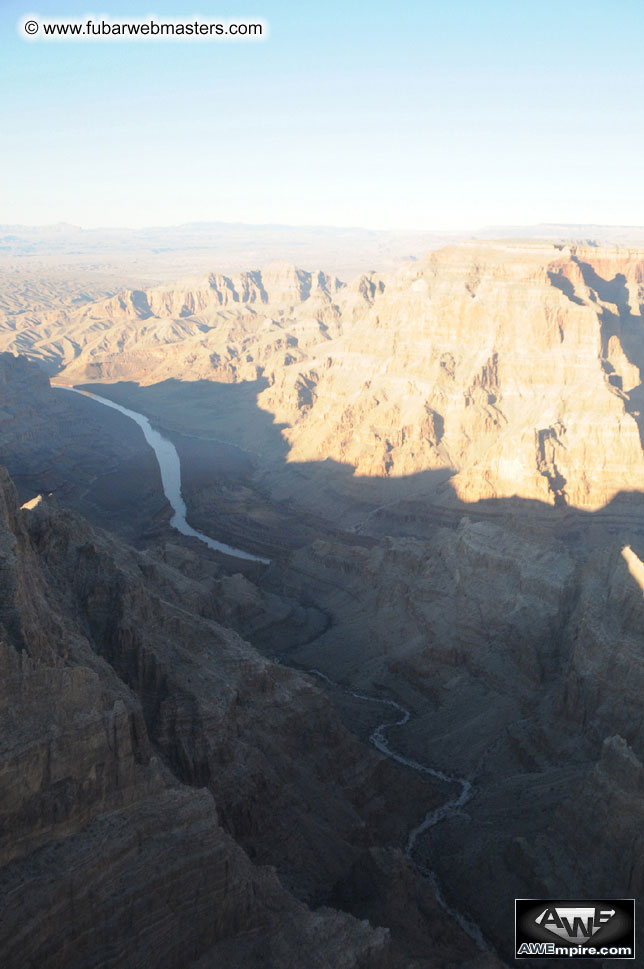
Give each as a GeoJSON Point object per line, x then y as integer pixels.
{"type": "Point", "coordinates": [513, 367]}
{"type": "Point", "coordinates": [149, 753]}
{"type": "Point", "coordinates": [445, 465]}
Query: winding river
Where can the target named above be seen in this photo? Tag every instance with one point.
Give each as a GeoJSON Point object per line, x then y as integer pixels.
{"type": "Point", "coordinates": [432, 818]}
{"type": "Point", "coordinates": [170, 468]}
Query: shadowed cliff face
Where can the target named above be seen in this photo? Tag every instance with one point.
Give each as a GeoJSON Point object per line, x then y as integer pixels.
{"type": "Point", "coordinates": [51, 444]}
{"type": "Point", "coordinates": [151, 760]}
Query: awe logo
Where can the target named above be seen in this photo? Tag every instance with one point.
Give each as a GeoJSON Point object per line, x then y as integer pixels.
{"type": "Point", "coordinates": [580, 928]}
{"type": "Point", "coordinates": [574, 924]}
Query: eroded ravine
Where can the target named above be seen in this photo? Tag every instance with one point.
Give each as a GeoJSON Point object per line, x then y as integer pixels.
{"type": "Point", "coordinates": [432, 818]}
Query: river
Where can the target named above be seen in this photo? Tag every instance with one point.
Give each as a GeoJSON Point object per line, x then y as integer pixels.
{"type": "Point", "coordinates": [170, 468]}
{"type": "Point", "coordinates": [452, 806]}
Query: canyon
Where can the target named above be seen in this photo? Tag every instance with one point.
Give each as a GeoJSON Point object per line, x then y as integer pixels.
{"type": "Point", "coordinates": [442, 466]}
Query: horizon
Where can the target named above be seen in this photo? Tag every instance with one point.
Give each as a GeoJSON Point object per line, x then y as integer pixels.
{"type": "Point", "coordinates": [427, 230]}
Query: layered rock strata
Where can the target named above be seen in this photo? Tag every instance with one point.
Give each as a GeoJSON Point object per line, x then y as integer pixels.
{"type": "Point", "coordinates": [515, 368]}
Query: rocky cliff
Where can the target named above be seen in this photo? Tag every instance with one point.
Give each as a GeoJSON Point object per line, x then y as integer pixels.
{"type": "Point", "coordinates": [153, 764]}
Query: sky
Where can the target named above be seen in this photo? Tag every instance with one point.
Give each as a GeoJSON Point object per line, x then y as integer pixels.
{"type": "Point", "coordinates": [388, 115]}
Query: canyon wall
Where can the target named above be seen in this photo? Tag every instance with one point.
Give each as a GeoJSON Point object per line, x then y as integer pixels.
{"type": "Point", "coordinates": [515, 368]}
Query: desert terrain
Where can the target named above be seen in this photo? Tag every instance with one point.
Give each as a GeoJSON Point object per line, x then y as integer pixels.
{"type": "Point", "coordinates": [442, 461]}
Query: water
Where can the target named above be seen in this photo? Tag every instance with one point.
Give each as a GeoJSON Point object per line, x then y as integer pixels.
{"type": "Point", "coordinates": [432, 818]}
{"type": "Point", "coordinates": [170, 468]}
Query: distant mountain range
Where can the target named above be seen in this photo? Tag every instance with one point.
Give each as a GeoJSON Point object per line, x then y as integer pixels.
{"type": "Point", "coordinates": [228, 247]}
{"type": "Point", "coordinates": [164, 251]}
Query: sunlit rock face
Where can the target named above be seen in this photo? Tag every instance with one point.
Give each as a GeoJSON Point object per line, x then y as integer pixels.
{"type": "Point", "coordinates": [514, 367]}
{"type": "Point", "coordinates": [504, 364]}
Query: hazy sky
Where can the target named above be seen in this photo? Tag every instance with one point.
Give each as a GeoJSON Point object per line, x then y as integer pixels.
{"type": "Point", "coordinates": [411, 115]}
